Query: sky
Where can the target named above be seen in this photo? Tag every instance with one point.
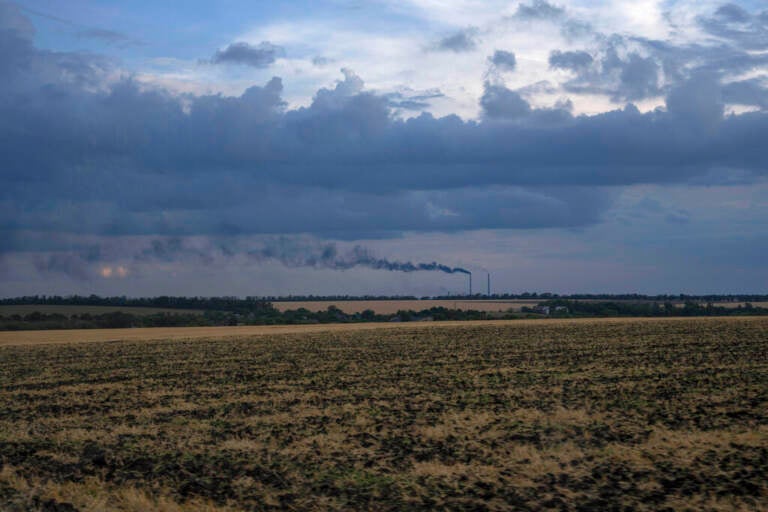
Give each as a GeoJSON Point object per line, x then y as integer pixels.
{"type": "Point", "coordinates": [315, 147]}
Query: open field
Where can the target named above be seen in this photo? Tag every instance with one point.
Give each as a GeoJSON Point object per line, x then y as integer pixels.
{"type": "Point", "coordinates": [44, 337]}
{"type": "Point", "coordinates": [617, 414]}
{"type": "Point", "coordinates": [737, 304]}
{"type": "Point", "coordinates": [388, 307]}
{"type": "Point", "coordinates": [91, 310]}
{"type": "Point", "coordinates": [186, 333]}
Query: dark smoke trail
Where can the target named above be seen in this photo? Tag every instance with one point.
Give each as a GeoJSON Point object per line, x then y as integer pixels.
{"type": "Point", "coordinates": [291, 252]}
{"type": "Point", "coordinates": [360, 256]}
{"type": "Point", "coordinates": [296, 254]}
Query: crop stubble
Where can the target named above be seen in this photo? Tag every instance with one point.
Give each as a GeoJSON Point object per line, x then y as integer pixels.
{"type": "Point", "coordinates": [623, 415]}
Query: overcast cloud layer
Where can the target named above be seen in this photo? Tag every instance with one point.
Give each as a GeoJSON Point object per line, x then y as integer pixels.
{"type": "Point", "coordinates": [100, 149]}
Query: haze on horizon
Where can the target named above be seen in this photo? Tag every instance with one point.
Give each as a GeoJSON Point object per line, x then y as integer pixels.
{"type": "Point", "coordinates": [257, 148]}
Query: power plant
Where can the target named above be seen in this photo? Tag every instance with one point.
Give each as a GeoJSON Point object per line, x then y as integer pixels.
{"type": "Point", "coordinates": [327, 256]}
{"type": "Point", "coordinates": [488, 289]}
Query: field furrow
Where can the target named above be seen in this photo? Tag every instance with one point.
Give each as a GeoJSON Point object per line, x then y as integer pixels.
{"type": "Point", "coordinates": [622, 415]}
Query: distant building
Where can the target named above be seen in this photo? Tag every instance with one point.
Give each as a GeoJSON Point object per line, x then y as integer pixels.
{"type": "Point", "coordinates": [542, 310]}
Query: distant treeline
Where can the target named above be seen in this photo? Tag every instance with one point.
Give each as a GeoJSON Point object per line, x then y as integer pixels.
{"type": "Point", "coordinates": [233, 304]}
{"type": "Point", "coordinates": [266, 314]}
{"type": "Point", "coordinates": [573, 309]}
{"type": "Point", "coordinates": [112, 320]}
{"type": "Point", "coordinates": [254, 303]}
{"type": "Point", "coordinates": [614, 297]}
{"type": "Point", "coordinates": [531, 296]}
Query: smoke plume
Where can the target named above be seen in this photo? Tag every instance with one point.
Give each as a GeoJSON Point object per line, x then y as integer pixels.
{"type": "Point", "coordinates": [295, 253]}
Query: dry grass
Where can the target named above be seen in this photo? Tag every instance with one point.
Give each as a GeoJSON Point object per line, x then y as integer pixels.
{"type": "Point", "coordinates": [656, 414]}
{"type": "Point", "coordinates": [93, 495]}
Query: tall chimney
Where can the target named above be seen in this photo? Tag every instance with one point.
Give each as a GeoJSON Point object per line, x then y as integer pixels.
{"type": "Point", "coordinates": [489, 284]}
{"type": "Point", "coordinates": [470, 284]}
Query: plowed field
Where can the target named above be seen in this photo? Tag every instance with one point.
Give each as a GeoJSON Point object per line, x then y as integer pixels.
{"type": "Point", "coordinates": [604, 415]}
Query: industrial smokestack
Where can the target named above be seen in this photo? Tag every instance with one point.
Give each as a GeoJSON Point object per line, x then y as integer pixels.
{"type": "Point", "coordinates": [489, 284]}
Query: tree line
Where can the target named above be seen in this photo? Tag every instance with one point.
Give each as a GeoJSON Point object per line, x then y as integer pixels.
{"type": "Point", "coordinates": [234, 304]}
{"type": "Point", "coordinates": [262, 316]}
{"type": "Point", "coordinates": [250, 303]}
{"type": "Point", "coordinates": [266, 314]}
{"type": "Point", "coordinates": [573, 309]}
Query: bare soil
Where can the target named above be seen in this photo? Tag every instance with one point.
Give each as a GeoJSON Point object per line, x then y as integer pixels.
{"type": "Point", "coordinates": [53, 336]}
{"type": "Point", "coordinates": [617, 414]}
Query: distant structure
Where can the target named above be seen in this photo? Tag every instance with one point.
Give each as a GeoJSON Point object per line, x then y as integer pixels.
{"type": "Point", "coordinates": [547, 310]}
{"type": "Point", "coordinates": [489, 284]}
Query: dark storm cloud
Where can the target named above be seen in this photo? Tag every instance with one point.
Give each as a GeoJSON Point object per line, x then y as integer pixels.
{"type": "Point", "coordinates": [461, 41]}
{"type": "Point", "coordinates": [539, 10]}
{"type": "Point", "coordinates": [172, 249]}
{"type": "Point", "coordinates": [259, 56]}
{"type": "Point", "coordinates": [732, 13]}
{"type": "Point", "coordinates": [503, 60]}
{"type": "Point", "coordinates": [619, 72]}
{"type": "Point", "coordinates": [77, 261]}
{"type": "Point", "coordinates": [699, 102]}
{"type": "Point", "coordinates": [412, 100]}
{"type": "Point", "coordinates": [320, 61]}
{"type": "Point", "coordinates": [628, 68]}
{"type": "Point", "coordinates": [498, 102]}
{"type": "Point", "coordinates": [638, 76]}
{"type": "Point", "coordinates": [635, 68]}
{"type": "Point", "coordinates": [71, 265]}
{"type": "Point", "coordinates": [737, 25]}
{"type": "Point", "coordinates": [80, 156]}
{"type": "Point", "coordinates": [747, 92]}
{"type": "Point", "coordinates": [574, 61]}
